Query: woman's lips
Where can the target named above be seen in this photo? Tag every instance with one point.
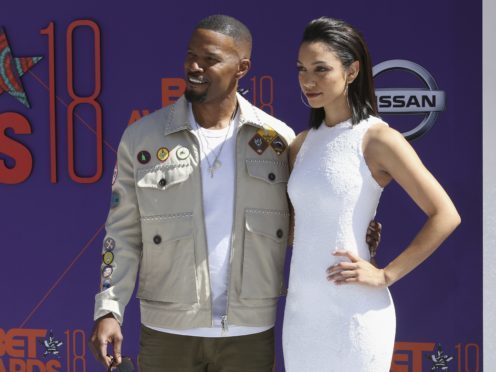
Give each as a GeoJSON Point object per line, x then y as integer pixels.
{"type": "Point", "coordinates": [312, 95]}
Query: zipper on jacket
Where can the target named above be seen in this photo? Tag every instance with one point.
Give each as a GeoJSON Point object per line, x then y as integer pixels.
{"type": "Point", "coordinates": [224, 318]}
{"type": "Point", "coordinates": [204, 229]}
{"type": "Point", "coordinates": [225, 327]}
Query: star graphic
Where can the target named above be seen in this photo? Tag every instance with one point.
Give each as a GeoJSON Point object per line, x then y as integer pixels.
{"type": "Point", "coordinates": [11, 70]}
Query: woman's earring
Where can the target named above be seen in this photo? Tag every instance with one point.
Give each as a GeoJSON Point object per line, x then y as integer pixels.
{"type": "Point", "coordinates": [347, 95]}
{"type": "Point", "coordinates": [303, 100]}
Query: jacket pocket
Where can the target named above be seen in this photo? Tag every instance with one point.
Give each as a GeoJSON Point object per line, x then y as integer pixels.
{"type": "Point", "coordinates": [168, 268]}
{"type": "Point", "coordinates": [163, 177]}
{"type": "Point", "coordinates": [270, 171]}
{"type": "Point", "coordinates": [264, 251]}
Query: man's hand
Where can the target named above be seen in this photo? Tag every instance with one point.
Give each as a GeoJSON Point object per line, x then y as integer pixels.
{"type": "Point", "coordinates": [106, 330]}
{"type": "Point", "coordinates": [373, 237]}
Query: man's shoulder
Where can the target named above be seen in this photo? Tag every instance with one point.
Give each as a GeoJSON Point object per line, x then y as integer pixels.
{"type": "Point", "coordinates": [150, 124]}
{"type": "Point", "coordinates": [278, 125]}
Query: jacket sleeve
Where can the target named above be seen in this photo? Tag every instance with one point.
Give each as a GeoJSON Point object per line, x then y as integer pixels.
{"type": "Point", "coordinates": [122, 245]}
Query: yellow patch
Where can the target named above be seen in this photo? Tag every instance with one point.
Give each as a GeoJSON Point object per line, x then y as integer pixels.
{"type": "Point", "coordinates": [108, 258]}
{"type": "Point", "coordinates": [267, 133]}
{"type": "Point", "coordinates": [162, 154]}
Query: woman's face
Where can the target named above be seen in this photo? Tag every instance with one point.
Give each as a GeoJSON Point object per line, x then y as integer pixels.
{"type": "Point", "coordinates": [322, 76]}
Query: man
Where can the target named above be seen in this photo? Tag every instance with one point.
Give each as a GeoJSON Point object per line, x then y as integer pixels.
{"type": "Point", "coordinates": [200, 208]}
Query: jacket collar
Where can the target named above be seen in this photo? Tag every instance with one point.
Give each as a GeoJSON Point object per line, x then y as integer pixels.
{"type": "Point", "coordinates": [178, 118]}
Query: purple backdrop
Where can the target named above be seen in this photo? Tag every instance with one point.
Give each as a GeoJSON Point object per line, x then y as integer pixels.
{"type": "Point", "coordinates": [51, 232]}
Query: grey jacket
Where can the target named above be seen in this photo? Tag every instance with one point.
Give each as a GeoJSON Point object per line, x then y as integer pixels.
{"type": "Point", "coordinates": [156, 228]}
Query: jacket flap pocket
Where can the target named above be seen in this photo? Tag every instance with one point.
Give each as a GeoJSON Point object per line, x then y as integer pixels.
{"type": "Point", "coordinates": [273, 224]}
{"type": "Point", "coordinates": [165, 228]}
{"type": "Point", "coordinates": [168, 267]}
{"type": "Point", "coordinates": [270, 171]}
{"type": "Point", "coordinates": [164, 176]}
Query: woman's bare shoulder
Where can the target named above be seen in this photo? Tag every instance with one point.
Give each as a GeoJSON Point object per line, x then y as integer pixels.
{"type": "Point", "coordinates": [295, 146]}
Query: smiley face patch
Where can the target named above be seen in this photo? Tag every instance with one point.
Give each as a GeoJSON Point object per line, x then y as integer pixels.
{"type": "Point", "coordinates": [162, 154]}
{"type": "Point", "coordinates": [108, 258]}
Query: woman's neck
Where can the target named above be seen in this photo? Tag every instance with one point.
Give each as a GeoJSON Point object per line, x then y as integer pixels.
{"type": "Point", "coordinates": [335, 115]}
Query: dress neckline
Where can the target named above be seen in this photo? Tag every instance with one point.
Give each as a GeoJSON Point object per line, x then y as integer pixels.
{"type": "Point", "coordinates": [344, 123]}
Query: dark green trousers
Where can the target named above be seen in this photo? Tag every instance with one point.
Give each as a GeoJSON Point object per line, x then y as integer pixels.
{"type": "Point", "coordinates": [161, 351]}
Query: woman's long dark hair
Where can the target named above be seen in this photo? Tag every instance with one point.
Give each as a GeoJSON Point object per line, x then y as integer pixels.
{"type": "Point", "coordinates": [349, 46]}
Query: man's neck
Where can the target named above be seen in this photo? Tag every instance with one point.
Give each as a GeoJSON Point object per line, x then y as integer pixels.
{"type": "Point", "coordinates": [215, 115]}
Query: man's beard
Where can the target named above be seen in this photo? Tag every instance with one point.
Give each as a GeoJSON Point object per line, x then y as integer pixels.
{"type": "Point", "coordinates": [191, 96]}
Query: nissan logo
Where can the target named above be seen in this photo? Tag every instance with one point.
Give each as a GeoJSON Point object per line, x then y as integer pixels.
{"type": "Point", "coordinates": [429, 100]}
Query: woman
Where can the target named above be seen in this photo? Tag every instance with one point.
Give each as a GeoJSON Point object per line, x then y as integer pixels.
{"type": "Point", "coordinates": [339, 313]}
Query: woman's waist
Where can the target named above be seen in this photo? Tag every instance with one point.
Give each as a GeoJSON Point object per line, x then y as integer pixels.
{"type": "Point", "coordinates": [314, 247]}
{"type": "Point", "coordinates": [360, 297]}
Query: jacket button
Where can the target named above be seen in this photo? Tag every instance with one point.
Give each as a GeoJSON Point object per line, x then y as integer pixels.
{"type": "Point", "coordinates": [162, 182]}
{"type": "Point", "coordinates": [272, 176]}
{"type": "Point", "coordinates": [157, 239]}
{"type": "Point", "coordinates": [279, 233]}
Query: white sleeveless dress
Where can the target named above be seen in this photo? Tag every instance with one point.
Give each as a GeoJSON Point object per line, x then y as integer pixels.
{"type": "Point", "coordinates": [329, 327]}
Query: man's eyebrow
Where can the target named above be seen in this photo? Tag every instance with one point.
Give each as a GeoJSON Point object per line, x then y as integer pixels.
{"type": "Point", "coordinates": [207, 53]}
{"type": "Point", "coordinates": [214, 54]}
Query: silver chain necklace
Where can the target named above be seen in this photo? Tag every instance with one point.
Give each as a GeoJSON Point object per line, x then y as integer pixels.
{"type": "Point", "coordinates": [216, 164]}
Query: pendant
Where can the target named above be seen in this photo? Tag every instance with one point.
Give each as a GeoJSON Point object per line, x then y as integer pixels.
{"type": "Point", "coordinates": [216, 165]}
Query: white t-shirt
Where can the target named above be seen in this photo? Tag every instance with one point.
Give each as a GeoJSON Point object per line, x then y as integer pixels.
{"type": "Point", "coordinates": [218, 205]}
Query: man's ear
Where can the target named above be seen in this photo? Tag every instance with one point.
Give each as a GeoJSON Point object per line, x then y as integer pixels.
{"type": "Point", "coordinates": [243, 68]}
{"type": "Point", "coordinates": [353, 71]}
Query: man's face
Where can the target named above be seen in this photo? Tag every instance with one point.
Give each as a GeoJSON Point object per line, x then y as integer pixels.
{"type": "Point", "coordinates": [211, 66]}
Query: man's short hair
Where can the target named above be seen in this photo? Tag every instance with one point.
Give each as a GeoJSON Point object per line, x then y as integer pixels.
{"type": "Point", "coordinates": [228, 26]}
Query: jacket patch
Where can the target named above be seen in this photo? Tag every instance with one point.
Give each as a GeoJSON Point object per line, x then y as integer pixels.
{"type": "Point", "coordinates": [144, 157]}
{"type": "Point", "coordinates": [114, 176]}
{"type": "Point", "coordinates": [109, 244]}
{"type": "Point", "coordinates": [182, 153]}
{"type": "Point", "coordinates": [267, 136]}
{"type": "Point", "coordinates": [162, 154]}
{"type": "Point", "coordinates": [107, 271]}
{"type": "Point", "coordinates": [267, 133]}
{"type": "Point", "coordinates": [278, 145]}
{"type": "Point", "coordinates": [108, 258]}
{"type": "Point", "coordinates": [115, 199]}
{"type": "Point", "coordinates": [258, 143]}
{"type": "Point", "coordinates": [106, 284]}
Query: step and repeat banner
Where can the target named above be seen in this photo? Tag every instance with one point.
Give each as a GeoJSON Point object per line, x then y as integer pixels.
{"type": "Point", "coordinates": [74, 76]}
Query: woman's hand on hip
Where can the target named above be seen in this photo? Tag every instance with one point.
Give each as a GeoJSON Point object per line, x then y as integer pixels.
{"type": "Point", "coordinates": [357, 270]}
